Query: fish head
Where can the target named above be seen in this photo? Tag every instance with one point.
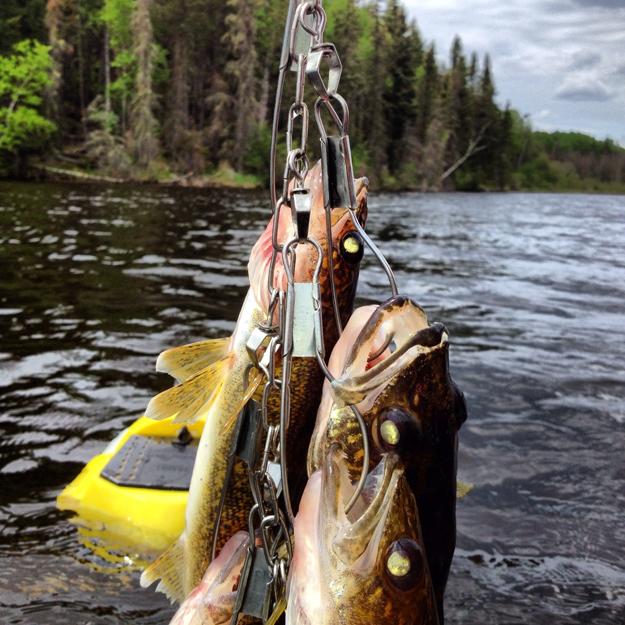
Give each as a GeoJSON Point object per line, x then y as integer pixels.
{"type": "Point", "coordinates": [344, 241]}
{"type": "Point", "coordinates": [371, 565]}
{"type": "Point", "coordinates": [213, 600]}
{"type": "Point", "coordinates": [395, 335]}
{"type": "Point", "coordinates": [389, 343]}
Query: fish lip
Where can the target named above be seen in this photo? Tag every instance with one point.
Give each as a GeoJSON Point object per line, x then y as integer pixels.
{"type": "Point", "coordinates": [352, 388]}
{"type": "Point", "coordinates": [353, 537]}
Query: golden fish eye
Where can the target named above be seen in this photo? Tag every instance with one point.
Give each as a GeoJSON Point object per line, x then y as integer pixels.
{"type": "Point", "coordinates": [352, 247]}
{"type": "Point", "coordinates": [390, 433]}
{"type": "Point", "coordinates": [405, 564]}
{"type": "Point", "coordinates": [398, 564]}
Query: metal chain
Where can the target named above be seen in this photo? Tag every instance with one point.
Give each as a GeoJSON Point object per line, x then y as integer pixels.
{"type": "Point", "coordinates": [304, 52]}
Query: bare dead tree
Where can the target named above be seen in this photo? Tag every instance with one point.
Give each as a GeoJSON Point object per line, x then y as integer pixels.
{"type": "Point", "coordinates": [473, 148]}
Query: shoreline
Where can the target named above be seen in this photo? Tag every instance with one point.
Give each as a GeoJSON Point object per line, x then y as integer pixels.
{"type": "Point", "coordinates": [229, 179]}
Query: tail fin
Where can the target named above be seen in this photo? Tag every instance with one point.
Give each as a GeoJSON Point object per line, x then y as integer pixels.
{"type": "Point", "coordinates": [185, 361]}
{"type": "Point", "coordinates": [169, 569]}
{"type": "Point", "coordinates": [193, 398]}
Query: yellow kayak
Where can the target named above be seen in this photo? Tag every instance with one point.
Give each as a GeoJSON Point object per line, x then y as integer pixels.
{"type": "Point", "coordinates": [134, 493]}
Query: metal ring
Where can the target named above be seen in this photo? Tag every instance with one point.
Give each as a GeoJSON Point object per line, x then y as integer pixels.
{"type": "Point", "coordinates": [298, 109]}
{"type": "Point", "coordinates": [341, 122]}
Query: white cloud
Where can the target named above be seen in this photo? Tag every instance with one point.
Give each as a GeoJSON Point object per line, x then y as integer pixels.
{"type": "Point", "coordinates": [561, 56]}
{"type": "Point", "coordinates": [584, 89]}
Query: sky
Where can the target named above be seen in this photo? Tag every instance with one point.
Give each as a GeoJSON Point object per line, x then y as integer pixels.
{"type": "Point", "coordinates": [562, 62]}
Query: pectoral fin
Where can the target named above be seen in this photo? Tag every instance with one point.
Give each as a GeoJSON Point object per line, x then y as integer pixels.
{"type": "Point", "coordinates": [169, 569]}
{"type": "Point", "coordinates": [185, 361]}
{"type": "Point", "coordinates": [463, 489]}
{"type": "Point", "coordinates": [193, 398]}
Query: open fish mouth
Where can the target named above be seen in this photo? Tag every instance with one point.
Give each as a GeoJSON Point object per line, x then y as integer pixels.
{"type": "Point", "coordinates": [354, 536]}
{"type": "Point", "coordinates": [260, 263]}
{"type": "Point", "coordinates": [395, 336]}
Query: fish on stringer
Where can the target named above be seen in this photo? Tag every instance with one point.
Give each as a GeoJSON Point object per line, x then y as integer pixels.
{"type": "Point", "coordinates": [394, 367]}
{"type": "Point", "coordinates": [364, 566]}
{"type": "Point", "coordinates": [217, 379]}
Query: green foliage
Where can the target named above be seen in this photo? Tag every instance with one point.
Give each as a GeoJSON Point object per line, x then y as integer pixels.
{"type": "Point", "coordinates": [20, 19]}
{"type": "Point", "coordinates": [117, 17]}
{"type": "Point", "coordinates": [142, 88]}
{"type": "Point", "coordinates": [24, 76]}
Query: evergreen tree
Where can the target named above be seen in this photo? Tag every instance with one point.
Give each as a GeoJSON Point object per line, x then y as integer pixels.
{"type": "Point", "coordinates": [239, 40]}
{"type": "Point", "coordinates": [143, 125]}
{"type": "Point", "coordinates": [374, 114]}
{"type": "Point", "coordinates": [428, 89]}
{"type": "Point", "coordinates": [402, 53]}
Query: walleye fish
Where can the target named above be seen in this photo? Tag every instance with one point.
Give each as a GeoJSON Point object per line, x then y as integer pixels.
{"type": "Point", "coordinates": [212, 601]}
{"type": "Point", "coordinates": [397, 373]}
{"type": "Point", "coordinates": [347, 250]}
{"type": "Point", "coordinates": [362, 568]}
{"type": "Point", "coordinates": [217, 379]}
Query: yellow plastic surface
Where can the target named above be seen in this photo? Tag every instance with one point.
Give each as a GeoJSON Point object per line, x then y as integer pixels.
{"type": "Point", "coordinates": [141, 519]}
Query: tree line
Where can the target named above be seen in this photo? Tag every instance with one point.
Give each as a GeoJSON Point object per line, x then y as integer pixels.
{"type": "Point", "coordinates": [183, 89]}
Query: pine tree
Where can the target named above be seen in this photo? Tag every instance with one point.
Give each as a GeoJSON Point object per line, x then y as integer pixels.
{"type": "Point", "coordinates": [374, 115]}
{"type": "Point", "coordinates": [399, 93]}
{"type": "Point", "coordinates": [428, 89]}
{"type": "Point", "coordinates": [143, 124]}
{"type": "Point", "coordinates": [239, 40]}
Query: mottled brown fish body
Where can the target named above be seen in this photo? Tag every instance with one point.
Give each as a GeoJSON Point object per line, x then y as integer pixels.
{"type": "Point", "coordinates": [306, 375]}
{"type": "Point", "coordinates": [363, 568]}
{"type": "Point", "coordinates": [430, 409]}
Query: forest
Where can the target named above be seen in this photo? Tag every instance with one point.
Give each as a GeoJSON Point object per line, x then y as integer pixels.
{"type": "Point", "coordinates": [181, 91]}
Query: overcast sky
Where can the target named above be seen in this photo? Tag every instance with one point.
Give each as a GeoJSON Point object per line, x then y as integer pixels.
{"type": "Point", "coordinates": [560, 61]}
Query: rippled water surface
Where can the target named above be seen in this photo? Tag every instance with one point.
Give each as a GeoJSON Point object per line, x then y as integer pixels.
{"type": "Point", "coordinates": [96, 281]}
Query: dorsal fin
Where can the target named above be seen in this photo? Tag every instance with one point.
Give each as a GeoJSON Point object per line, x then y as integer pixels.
{"type": "Point", "coordinates": [193, 398]}
{"type": "Point", "coordinates": [187, 360]}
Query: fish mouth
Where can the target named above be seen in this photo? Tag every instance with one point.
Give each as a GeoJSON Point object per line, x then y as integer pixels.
{"type": "Point", "coordinates": [355, 536]}
{"type": "Point", "coordinates": [395, 336]}
{"type": "Point", "coordinates": [260, 264]}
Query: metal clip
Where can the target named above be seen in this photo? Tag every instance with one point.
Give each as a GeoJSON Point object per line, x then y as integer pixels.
{"type": "Point", "coordinates": [318, 321]}
{"type": "Point", "coordinates": [313, 69]}
{"type": "Point", "coordinates": [301, 33]}
{"type": "Point", "coordinates": [247, 447]}
{"type": "Point", "coordinates": [301, 201]}
{"type": "Point", "coordinates": [259, 339]}
{"type": "Point", "coordinates": [255, 594]}
{"type": "Point", "coordinates": [304, 320]}
{"type": "Point", "coordinates": [338, 178]}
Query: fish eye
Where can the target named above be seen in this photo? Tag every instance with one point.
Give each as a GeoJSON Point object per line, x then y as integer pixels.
{"type": "Point", "coordinates": [397, 430]}
{"type": "Point", "coordinates": [352, 247]}
{"type": "Point", "coordinates": [404, 563]}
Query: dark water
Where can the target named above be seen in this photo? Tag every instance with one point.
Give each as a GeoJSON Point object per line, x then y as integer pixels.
{"type": "Point", "coordinates": [95, 281]}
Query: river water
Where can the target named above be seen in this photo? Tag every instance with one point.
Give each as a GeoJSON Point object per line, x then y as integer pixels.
{"type": "Point", "coordinates": [96, 281]}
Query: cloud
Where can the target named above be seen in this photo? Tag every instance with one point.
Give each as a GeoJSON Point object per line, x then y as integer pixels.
{"type": "Point", "coordinates": [585, 59]}
{"type": "Point", "coordinates": [565, 56]}
{"type": "Point", "coordinates": [584, 89]}
{"type": "Point", "coordinates": [604, 4]}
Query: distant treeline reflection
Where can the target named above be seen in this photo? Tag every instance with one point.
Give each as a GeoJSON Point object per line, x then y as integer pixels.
{"type": "Point", "coordinates": [182, 90]}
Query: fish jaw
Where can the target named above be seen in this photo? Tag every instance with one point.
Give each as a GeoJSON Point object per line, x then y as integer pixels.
{"type": "Point", "coordinates": [336, 364]}
{"type": "Point", "coordinates": [212, 601]}
{"type": "Point", "coordinates": [339, 573]}
{"type": "Point", "coordinates": [396, 335]}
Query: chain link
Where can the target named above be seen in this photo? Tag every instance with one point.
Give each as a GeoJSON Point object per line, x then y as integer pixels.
{"type": "Point", "coordinates": [304, 51]}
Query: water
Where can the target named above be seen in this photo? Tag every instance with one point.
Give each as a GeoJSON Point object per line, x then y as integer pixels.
{"type": "Point", "coordinates": [95, 281]}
